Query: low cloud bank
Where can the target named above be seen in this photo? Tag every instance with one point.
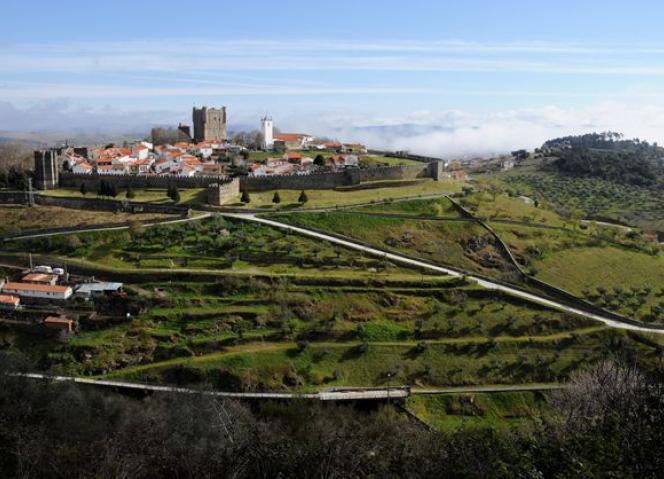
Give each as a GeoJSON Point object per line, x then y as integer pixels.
{"type": "Point", "coordinates": [445, 134]}
{"type": "Point", "coordinates": [458, 134]}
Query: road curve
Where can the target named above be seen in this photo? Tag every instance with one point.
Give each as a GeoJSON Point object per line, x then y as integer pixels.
{"type": "Point", "coordinates": [532, 297]}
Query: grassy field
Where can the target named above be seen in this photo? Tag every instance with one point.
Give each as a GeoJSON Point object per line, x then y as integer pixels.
{"type": "Point", "coordinates": [380, 160]}
{"type": "Point", "coordinates": [456, 243]}
{"type": "Point", "coordinates": [18, 218]}
{"type": "Point", "coordinates": [276, 366]}
{"type": "Point", "coordinates": [434, 207]}
{"type": "Point", "coordinates": [455, 411]}
{"type": "Point", "coordinates": [332, 198]}
{"type": "Point", "coordinates": [591, 197]}
{"type": "Point", "coordinates": [504, 207]}
{"type": "Point", "coordinates": [209, 244]}
{"type": "Point", "coordinates": [147, 195]}
{"type": "Point", "coordinates": [210, 323]}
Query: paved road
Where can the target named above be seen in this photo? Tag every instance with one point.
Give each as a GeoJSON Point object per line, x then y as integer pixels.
{"type": "Point", "coordinates": [197, 217]}
{"type": "Point", "coordinates": [532, 297]}
{"type": "Point", "coordinates": [488, 389]}
{"type": "Point", "coordinates": [338, 394]}
{"type": "Point", "coordinates": [349, 394]}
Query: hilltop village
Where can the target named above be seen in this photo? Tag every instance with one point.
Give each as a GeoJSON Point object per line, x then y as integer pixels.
{"type": "Point", "coordinates": [210, 151]}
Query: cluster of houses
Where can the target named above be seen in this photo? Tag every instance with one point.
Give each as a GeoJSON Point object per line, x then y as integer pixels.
{"type": "Point", "coordinates": [182, 159]}
{"type": "Point", "coordinates": [47, 285]}
{"type": "Point", "coordinates": [296, 163]}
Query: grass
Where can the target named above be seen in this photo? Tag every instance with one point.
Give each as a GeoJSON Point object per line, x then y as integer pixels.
{"type": "Point", "coordinates": [434, 207]}
{"type": "Point", "coordinates": [591, 197]}
{"type": "Point", "coordinates": [504, 207]}
{"type": "Point", "coordinates": [332, 198]}
{"type": "Point", "coordinates": [192, 320]}
{"type": "Point", "coordinates": [19, 218]}
{"type": "Point", "coordinates": [144, 195]}
{"type": "Point", "coordinates": [209, 244]}
{"type": "Point", "coordinates": [380, 160]}
{"type": "Point", "coordinates": [275, 366]}
{"type": "Point", "coordinates": [455, 411]}
{"type": "Point", "coordinates": [634, 281]}
{"type": "Point", "coordinates": [460, 244]}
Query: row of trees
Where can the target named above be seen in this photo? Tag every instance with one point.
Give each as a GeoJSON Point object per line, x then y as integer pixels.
{"type": "Point", "coordinates": [276, 198]}
{"type": "Point", "coordinates": [14, 177]}
{"type": "Point", "coordinates": [109, 189]}
{"type": "Point", "coordinates": [607, 423]}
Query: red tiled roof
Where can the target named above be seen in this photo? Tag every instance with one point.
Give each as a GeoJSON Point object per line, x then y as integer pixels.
{"type": "Point", "coordinates": [39, 277]}
{"type": "Point", "coordinates": [9, 299]}
{"type": "Point", "coordinates": [36, 287]}
{"type": "Point", "coordinates": [289, 136]}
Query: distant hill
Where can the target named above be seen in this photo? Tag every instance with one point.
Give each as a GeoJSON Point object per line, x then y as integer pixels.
{"type": "Point", "coordinates": [607, 156]}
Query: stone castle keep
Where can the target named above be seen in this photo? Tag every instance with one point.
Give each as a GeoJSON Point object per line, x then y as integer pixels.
{"type": "Point", "coordinates": [210, 124]}
{"type": "Point", "coordinates": [47, 170]}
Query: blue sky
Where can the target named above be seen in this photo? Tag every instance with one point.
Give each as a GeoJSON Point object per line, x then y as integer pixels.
{"type": "Point", "coordinates": [464, 77]}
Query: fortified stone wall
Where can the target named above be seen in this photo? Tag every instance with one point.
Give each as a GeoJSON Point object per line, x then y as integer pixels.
{"type": "Point", "coordinates": [313, 181]}
{"type": "Point", "coordinates": [14, 197]}
{"type": "Point", "coordinates": [74, 180]}
{"type": "Point", "coordinates": [381, 173]}
{"type": "Point", "coordinates": [222, 193]}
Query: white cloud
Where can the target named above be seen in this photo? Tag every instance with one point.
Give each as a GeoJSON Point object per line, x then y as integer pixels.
{"type": "Point", "coordinates": [455, 134]}
{"type": "Point", "coordinates": [178, 55]}
{"type": "Point", "coordinates": [447, 134]}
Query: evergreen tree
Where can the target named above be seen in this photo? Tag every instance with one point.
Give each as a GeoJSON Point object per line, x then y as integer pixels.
{"type": "Point", "coordinates": [112, 189]}
{"type": "Point", "coordinates": [319, 160]}
{"type": "Point", "coordinates": [245, 197]}
{"type": "Point", "coordinates": [83, 189]}
{"type": "Point", "coordinates": [176, 195]}
{"type": "Point", "coordinates": [276, 199]}
{"type": "Point", "coordinates": [303, 197]}
{"type": "Point", "coordinates": [130, 192]}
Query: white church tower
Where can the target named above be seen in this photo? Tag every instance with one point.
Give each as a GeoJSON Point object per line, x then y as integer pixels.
{"type": "Point", "coordinates": [268, 135]}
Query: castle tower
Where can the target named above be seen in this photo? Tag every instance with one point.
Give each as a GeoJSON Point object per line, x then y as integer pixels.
{"type": "Point", "coordinates": [210, 124]}
{"type": "Point", "coordinates": [268, 134]}
{"type": "Point", "coordinates": [46, 169]}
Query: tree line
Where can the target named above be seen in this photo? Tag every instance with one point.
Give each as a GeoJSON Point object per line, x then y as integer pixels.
{"type": "Point", "coordinates": [606, 424]}
{"type": "Point", "coordinates": [608, 156]}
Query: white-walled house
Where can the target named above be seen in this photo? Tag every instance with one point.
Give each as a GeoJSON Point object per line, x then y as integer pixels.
{"type": "Point", "coordinates": [82, 168]}
{"type": "Point", "coordinates": [41, 291]}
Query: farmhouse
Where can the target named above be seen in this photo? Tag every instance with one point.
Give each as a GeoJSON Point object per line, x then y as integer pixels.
{"type": "Point", "coordinates": [41, 291]}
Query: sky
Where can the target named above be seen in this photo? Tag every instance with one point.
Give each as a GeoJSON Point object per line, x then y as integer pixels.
{"type": "Point", "coordinates": [447, 78]}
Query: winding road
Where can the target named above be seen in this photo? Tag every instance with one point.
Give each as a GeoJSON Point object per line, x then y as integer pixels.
{"type": "Point", "coordinates": [373, 251]}
{"type": "Point", "coordinates": [532, 297]}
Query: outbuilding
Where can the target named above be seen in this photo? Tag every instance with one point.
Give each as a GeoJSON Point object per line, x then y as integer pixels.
{"type": "Point", "coordinates": [91, 290]}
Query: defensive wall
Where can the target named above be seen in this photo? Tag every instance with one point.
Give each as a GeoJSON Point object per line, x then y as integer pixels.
{"type": "Point", "coordinates": [91, 180]}
{"type": "Point", "coordinates": [222, 193]}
